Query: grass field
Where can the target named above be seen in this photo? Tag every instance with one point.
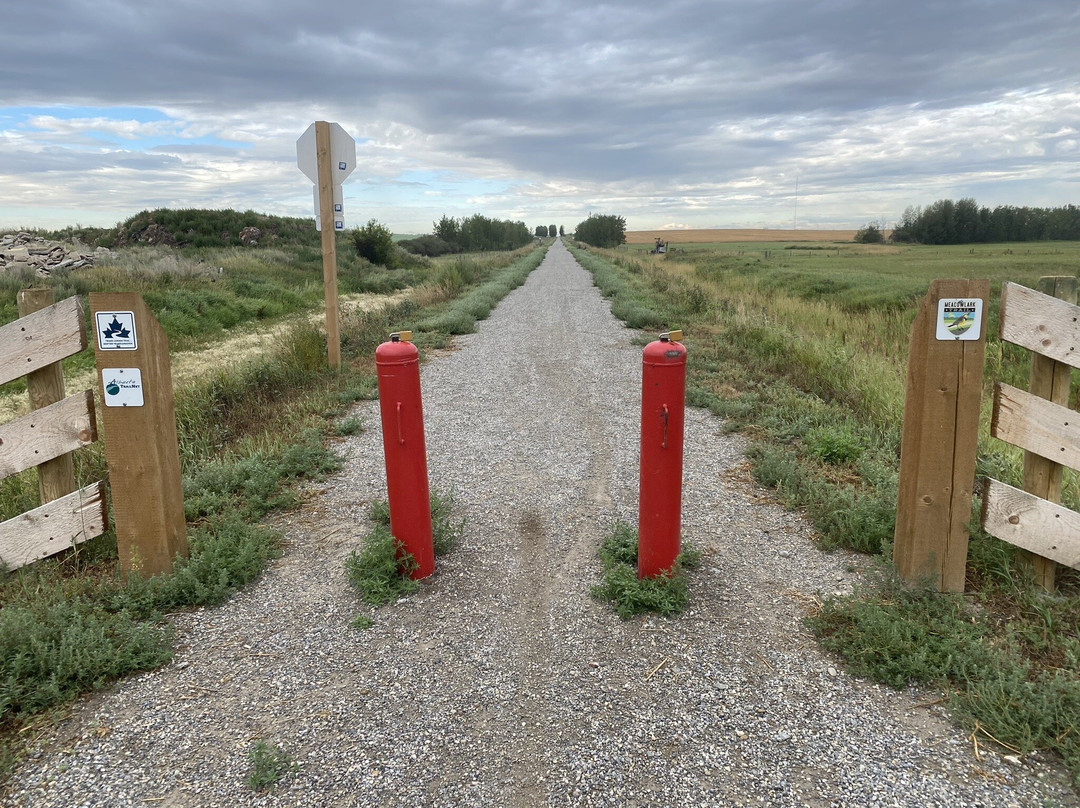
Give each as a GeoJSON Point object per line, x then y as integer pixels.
{"type": "Point", "coordinates": [734, 236]}
{"type": "Point", "coordinates": [803, 347]}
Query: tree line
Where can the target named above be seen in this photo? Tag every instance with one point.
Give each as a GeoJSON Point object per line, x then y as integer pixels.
{"type": "Point", "coordinates": [964, 222]}
{"type": "Point", "coordinates": [474, 233]}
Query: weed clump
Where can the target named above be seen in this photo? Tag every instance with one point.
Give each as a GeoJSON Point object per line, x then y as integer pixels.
{"type": "Point", "coordinates": [665, 594]}
{"type": "Point", "coordinates": [269, 764]}
{"type": "Point", "coordinates": [380, 569]}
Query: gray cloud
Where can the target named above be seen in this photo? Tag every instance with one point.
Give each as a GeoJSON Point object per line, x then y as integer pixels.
{"type": "Point", "coordinates": [693, 94]}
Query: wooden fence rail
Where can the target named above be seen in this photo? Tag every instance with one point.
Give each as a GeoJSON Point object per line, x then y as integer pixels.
{"type": "Point", "coordinates": [1039, 421]}
{"type": "Point", "coordinates": [33, 346]}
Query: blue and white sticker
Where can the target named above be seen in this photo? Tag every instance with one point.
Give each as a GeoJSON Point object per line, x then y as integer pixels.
{"type": "Point", "coordinates": [122, 387]}
{"type": "Point", "coordinates": [116, 331]}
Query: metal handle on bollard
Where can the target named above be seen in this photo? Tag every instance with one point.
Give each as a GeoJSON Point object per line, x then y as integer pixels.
{"type": "Point", "coordinates": [400, 433]}
{"type": "Point", "coordinates": [664, 415]}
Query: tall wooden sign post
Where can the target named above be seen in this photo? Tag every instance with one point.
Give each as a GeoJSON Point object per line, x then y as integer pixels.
{"type": "Point", "coordinates": [327, 155]}
{"type": "Point", "coordinates": [941, 434]}
{"type": "Point", "coordinates": [139, 420]}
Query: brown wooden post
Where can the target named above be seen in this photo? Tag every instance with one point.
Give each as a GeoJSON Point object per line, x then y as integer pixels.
{"type": "Point", "coordinates": [940, 439]}
{"type": "Point", "coordinates": [139, 421]}
{"type": "Point", "coordinates": [56, 477]}
{"type": "Point", "coordinates": [1050, 380]}
{"type": "Point", "coordinates": [323, 159]}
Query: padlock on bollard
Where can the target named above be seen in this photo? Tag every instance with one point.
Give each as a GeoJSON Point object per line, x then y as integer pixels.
{"type": "Point", "coordinates": [397, 365]}
{"type": "Point", "coordinates": [663, 402]}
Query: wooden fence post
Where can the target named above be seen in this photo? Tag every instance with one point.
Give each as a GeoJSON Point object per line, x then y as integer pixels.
{"type": "Point", "coordinates": [139, 420]}
{"type": "Point", "coordinates": [56, 477]}
{"type": "Point", "coordinates": [941, 432]}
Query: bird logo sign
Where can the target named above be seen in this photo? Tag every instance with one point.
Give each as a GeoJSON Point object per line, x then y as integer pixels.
{"type": "Point", "coordinates": [959, 319]}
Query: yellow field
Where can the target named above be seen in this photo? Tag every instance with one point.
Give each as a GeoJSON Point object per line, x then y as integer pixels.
{"type": "Point", "coordinates": [721, 236]}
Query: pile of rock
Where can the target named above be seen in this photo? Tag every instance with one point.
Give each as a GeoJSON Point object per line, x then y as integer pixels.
{"type": "Point", "coordinates": [27, 251]}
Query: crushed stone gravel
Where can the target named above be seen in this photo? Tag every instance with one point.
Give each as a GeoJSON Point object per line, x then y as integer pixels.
{"type": "Point", "coordinates": [501, 682]}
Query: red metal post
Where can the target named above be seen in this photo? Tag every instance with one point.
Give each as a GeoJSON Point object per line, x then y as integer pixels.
{"type": "Point", "coordinates": [663, 397]}
{"type": "Point", "coordinates": [398, 368]}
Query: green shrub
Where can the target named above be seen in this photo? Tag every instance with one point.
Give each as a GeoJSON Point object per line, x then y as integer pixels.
{"type": "Point", "coordinates": [375, 243]}
{"type": "Point", "coordinates": [629, 595]}
{"type": "Point", "coordinates": [268, 765]}
{"type": "Point", "coordinates": [835, 445]}
{"type": "Point", "coordinates": [380, 569]}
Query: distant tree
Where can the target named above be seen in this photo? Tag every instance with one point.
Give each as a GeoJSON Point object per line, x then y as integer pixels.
{"type": "Point", "coordinates": [906, 230]}
{"type": "Point", "coordinates": [375, 242]}
{"type": "Point", "coordinates": [540, 231]}
{"type": "Point", "coordinates": [602, 230]}
{"type": "Point", "coordinates": [561, 231]}
{"type": "Point", "coordinates": [551, 230]}
{"type": "Point", "coordinates": [447, 229]}
{"type": "Point", "coordinates": [871, 234]}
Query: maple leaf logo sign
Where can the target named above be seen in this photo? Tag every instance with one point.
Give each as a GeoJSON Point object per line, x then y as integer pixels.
{"type": "Point", "coordinates": [116, 329]}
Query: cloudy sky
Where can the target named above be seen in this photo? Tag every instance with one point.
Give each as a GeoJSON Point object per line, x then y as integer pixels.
{"type": "Point", "coordinates": [698, 113]}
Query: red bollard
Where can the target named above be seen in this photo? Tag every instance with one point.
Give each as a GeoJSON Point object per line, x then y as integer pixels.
{"type": "Point", "coordinates": [397, 364]}
{"type": "Point", "coordinates": [663, 397]}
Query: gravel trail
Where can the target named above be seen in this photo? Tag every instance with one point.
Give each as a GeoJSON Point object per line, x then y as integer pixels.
{"type": "Point", "coordinates": [501, 683]}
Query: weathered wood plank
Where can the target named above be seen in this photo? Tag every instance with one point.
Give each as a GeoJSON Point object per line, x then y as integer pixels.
{"type": "Point", "coordinates": [56, 477]}
{"type": "Point", "coordinates": [1033, 524]}
{"type": "Point", "coordinates": [1051, 380]}
{"type": "Point", "coordinates": [55, 526]}
{"type": "Point", "coordinates": [1036, 425]}
{"type": "Point", "coordinates": [1041, 323]}
{"type": "Point", "coordinates": [39, 339]}
{"type": "Point", "coordinates": [47, 433]}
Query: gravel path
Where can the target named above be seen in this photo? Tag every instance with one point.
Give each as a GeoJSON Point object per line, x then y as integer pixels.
{"type": "Point", "coordinates": [501, 683]}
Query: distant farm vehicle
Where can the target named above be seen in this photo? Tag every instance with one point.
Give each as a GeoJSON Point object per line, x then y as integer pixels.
{"type": "Point", "coordinates": [660, 248]}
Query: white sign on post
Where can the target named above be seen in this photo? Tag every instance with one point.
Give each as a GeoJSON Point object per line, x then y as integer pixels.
{"type": "Point", "coordinates": [959, 319]}
{"type": "Point", "coordinates": [338, 158]}
{"type": "Point", "coordinates": [116, 331]}
{"type": "Point", "coordinates": [122, 387]}
{"type": "Point", "coordinates": [339, 209]}
{"type": "Point", "coordinates": [343, 161]}
{"type": "Point", "coordinates": [342, 153]}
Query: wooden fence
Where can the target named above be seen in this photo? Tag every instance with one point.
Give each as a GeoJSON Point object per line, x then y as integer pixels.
{"type": "Point", "coordinates": [941, 418]}
{"type": "Point", "coordinates": [33, 346]}
{"type": "Point", "coordinates": [138, 418]}
{"type": "Point", "coordinates": [1041, 423]}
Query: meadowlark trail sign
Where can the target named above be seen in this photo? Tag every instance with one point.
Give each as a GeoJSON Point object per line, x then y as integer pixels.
{"type": "Point", "coordinates": [326, 154]}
